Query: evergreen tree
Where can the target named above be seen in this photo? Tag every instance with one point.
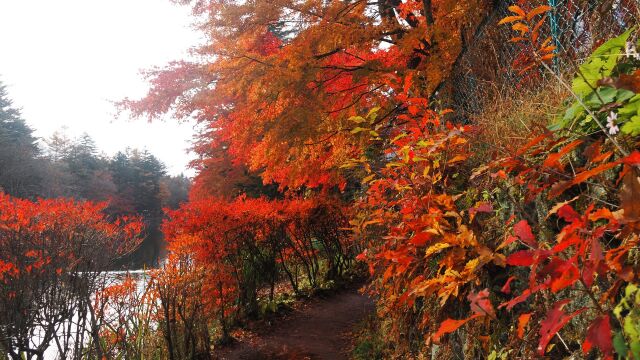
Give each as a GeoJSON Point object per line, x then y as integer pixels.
{"type": "Point", "coordinates": [19, 173]}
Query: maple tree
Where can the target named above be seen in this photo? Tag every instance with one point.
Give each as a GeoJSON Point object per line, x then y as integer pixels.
{"type": "Point", "coordinates": [285, 76]}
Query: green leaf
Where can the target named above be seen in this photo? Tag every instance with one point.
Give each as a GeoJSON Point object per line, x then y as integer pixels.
{"type": "Point", "coordinates": [630, 109]}
{"type": "Point", "coordinates": [358, 129]}
{"type": "Point", "coordinates": [576, 110]}
{"type": "Point", "coordinates": [624, 95]}
{"type": "Point", "coordinates": [631, 127]}
{"type": "Point", "coordinates": [619, 344]}
{"type": "Point", "coordinates": [607, 94]}
{"type": "Point", "coordinates": [600, 64]}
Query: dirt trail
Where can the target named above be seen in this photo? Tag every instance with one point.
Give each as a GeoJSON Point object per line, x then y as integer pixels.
{"type": "Point", "coordinates": [318, 330]}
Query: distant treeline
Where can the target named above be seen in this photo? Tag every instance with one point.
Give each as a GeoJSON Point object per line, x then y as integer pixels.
{"type": "Point", "coordinates": [134, 182]}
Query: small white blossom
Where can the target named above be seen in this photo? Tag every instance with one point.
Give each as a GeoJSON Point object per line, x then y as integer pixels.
{"type": "Point", "coordinates": [630, 50]}
{"type": "Point", "coordinates": [611, 123]}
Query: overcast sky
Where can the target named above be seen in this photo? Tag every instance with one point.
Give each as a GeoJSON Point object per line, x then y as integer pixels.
{"type": "Point", "coordinates": [65, 60]}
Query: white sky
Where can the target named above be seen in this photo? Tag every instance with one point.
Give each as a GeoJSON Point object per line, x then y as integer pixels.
{"type": "Point", "coordinates": [65, 60]}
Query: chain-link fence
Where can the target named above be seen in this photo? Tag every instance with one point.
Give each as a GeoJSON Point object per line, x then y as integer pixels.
{"type": "Point", "coordinates": [489, 62]}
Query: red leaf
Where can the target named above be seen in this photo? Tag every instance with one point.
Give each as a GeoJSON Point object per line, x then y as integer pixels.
{"type": "Point", "coordinates": [362, 256]}
{"type": "Point", "coordinates": [585, 175]}
{"type": "Point", "coordinates": [599, 335]}
{"type": "Point", "coordinates": [553, 160]}
{"type": "Point", "coordinates": [532, 143]}
{"type": "Point", "coordinates": [506, 288]}
{"type": "Point", "coordinates": [556, 319]}
{"type": "Point", "coordinates": [520, 298]}
{"type": "Point", "coordinates": [521, 258]}
{"type": "Point", "coordinates": [563, 274]}
{"type": "Point", "coordinates": [633, 159]}
{"type": "Point", "coordinates": [481, 207]}
{"type": "Point", "coordinates": [420, 239]}
{"type": "Point", "coordinates": [480, 303]}
{"type": "Point", "coordinates": [568, 214]}
{"type": "Point", "coordinates": [559, 187]}
{"type": "Point", "coordinates": [558, 206]}
{"type": "Point", "coordinates": [523, 231]}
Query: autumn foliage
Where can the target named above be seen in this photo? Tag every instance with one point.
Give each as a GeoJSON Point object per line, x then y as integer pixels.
{"type": "Point", "coordinates": [513, 252]}
{"type": "Point", "coordinates": [323, 152]}
{"type": "Point", "coordinates": [51, 255]}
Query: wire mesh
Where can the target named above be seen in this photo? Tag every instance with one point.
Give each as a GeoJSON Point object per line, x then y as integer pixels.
{"type": "Point", "coordinates": [490, 62]}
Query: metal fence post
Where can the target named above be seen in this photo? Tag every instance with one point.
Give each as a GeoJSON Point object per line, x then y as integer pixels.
{"type": "Point", "coordinates": [555, 30]}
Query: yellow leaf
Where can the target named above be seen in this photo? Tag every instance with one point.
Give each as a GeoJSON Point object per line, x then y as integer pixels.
{"type": "Point", "coordinates": [457, 158]}
{"type": "Point", "coordinates": [368, 178]}
{"type": "Point", "coordinates": [436, 248]}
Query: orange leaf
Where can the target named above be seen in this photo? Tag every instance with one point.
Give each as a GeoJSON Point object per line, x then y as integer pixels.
{"type": "Point", "coordinates": [560, 187]}
{"type": "Point", "coordinates": [546, 42]}
{"type": "Point", "coordinates": [522, 28]}
{"type": "Point", "coordinates": [510, 19]}
{"type": "Point", "coordinates": [548, 57]}
{"type": "Point", "coordinates": [559, 205]}
{"type": "Point", "coordinates": [517, 39]}
{"type": "Point", "coordinates": [585, 175]}
{"type": "Point", "coordinates": [517, 10]}
{"type": "Point", "coordinates": [537, 11]}
{"type": "Point", "coordinates": [532, 143]}
{"type": "Point", "coordinates": [523, 320]}
{"type": "Point", "coordinates": [536, 29]}
{"type": "Point", "coordinates": [449, 326]}
{"type": "Point", "coordinates": [548, 49]}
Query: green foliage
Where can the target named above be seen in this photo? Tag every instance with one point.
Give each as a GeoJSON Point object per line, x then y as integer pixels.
{"type": "Point", "coordinates": [627, 341]}
{"type": "Point", "coordinates": [600, 64]}
{"type": "Point", "coordinates": [605, 86]}
{"type": "Point", "coordinates": [20, 173]}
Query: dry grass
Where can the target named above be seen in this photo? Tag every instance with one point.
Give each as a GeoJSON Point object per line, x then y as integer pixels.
{"type": "Point", "coordinates": [510, 117]}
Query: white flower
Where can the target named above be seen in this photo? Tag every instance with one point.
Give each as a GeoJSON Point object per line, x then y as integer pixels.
{"type": "Point", "coordinates": [630, 50]}
{"type": "Point", "coordinates": [611, 125]}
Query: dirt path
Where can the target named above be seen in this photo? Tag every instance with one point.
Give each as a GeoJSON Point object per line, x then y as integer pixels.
{"type": "Point", "coordinates": [318, 330]}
